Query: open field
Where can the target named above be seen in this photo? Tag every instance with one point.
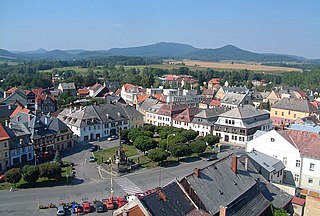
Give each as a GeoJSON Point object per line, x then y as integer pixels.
{"type": "Point", "coordinates": [234, 66]}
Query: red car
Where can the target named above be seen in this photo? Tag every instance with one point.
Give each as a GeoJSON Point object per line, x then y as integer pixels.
{"type": "Point", "coordinates": [1, 178]}
{"type": "Point", "coordinates": [110, 204]}
{"type": "Point", "coordinates": [86, 207]}
{"type": "Point", "coordinates": [121, 201]}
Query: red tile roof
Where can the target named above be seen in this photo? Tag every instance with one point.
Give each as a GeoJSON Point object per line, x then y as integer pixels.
{"type": "Point", "coordinates": [215, 103]}
{"type": "Point", "coordinates": [307, 143]}
{"type": "Point", "coordinates": [187, 115]}
{"type": "Point", "coordinates": [298, 201]}
{"type": "Point", "coordinates": [215, 81]}
{"type": "Point", "coordinates": [95, 87]}
{"type": "Point", "coordinates": [37, 91]}
{"type": "Point", "coordinates": [142, 97]}
{"type": "Point", "coordinates": [83, 91]}
{"type": "Point", "coordinates": [126, 86]}
{"type": "Point", "coordinates": [3, 134]}
{"type": "Point", "coordinates": [11, 90]}
{"type": "Point", "coordinates": [159, 97]}
{"type": "Point", "coordinates": [18, 110]}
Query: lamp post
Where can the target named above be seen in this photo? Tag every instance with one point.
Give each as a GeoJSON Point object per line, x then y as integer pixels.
{"type": "Point", "coordinates": [161, 162]}
{"type": "Point", "coordinates": [111, 183]}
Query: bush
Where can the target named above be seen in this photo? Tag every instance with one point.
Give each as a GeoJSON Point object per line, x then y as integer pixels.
{"type": "Point", "coordinates": [144, 143]}
{"type": "Point", "coordinates": [57, 158]}
{"type": "Point", "coordinates": [30, 173]}
{"type": "Point", "coordinates": [157, 155]}
{"type": "Point", "coordinates": [50, 170]}
{"type": "Point", "coordinates": [13, 176]}
{"type": "Point", "coordinates": [198, 146]}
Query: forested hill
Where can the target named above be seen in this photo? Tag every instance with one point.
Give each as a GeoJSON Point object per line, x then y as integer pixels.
{"type": "Point", "coordinates": [160, 50]}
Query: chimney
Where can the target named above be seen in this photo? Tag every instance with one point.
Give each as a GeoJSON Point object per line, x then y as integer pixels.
{"type": "Point", "coordinates": [234, 164]}
{"type": "Point", "coordinates": [246, 164]}
{"type": "Point", "coordinates": [119, 114]}
{"type": "Point", "coordinates": [6, 123]}
{"type": "Point", "coordinates": [70, 111]}
{"type": "Point", "coordinates": [162, 195]}
{"type": "Point", "coordinates": [223, 211]}
{"type": "Point", "coordinates": [196, 171]}
{"type": "Point", "coordinates": [107, 116]}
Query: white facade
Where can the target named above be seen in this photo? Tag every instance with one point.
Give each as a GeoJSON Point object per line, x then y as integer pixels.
{"type": "Point", "coordinates": [274, 145]}
{"type": "Point", "coordinates": [202, 129]}
{"type": "Point", "coordinates": [310, 174]}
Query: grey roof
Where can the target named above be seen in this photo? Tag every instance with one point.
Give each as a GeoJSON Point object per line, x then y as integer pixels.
{"type": "Point", "coordinates": [6, 111]}
{"type": "Point", "coordinates": [208, 116]}
{"type": "Point", "coordinates": [242, 112]}
{"type": "Point", "coordinates": [235, 89]}
{"type": "Point", "coordinates": [233, 98]}
{"type": "Point", "coordinates": [54, 123]}
{"type": "Point", "coordinates": [155, 108]}
{"type": "Point", "coordinates": [17, 96]}
{"type": "Point", "coordinates": [102, 113]}
{"type": "Point", "coordinates": [295, 105]}
{"type": "Point", "coordinates": [176, 201]}
{"type": "Point", "coordinates": [218, 185]}
{"type": "Point", "coordinates": [70, 86]}
{"type": "Point", "coordinates": [305, 127]}
{"type": "Point", "coordinates": [269, 163]}
{"type": "Point", "coordinates": [16, 133]}
{"type": "Point", "coordinates": [147, 103]}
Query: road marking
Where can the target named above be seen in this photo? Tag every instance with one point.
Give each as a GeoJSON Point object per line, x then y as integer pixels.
{"type": "Point", "coordinates": [128, 186]}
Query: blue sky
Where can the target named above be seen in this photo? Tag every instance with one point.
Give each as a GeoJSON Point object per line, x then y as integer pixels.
{"type": "Point", "coordinates": [286, 26]}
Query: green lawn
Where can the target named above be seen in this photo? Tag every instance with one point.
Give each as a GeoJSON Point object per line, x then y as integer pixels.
{"type": "Point", "coordinates": [105, 154]}
{"type": "Point", "coordinates": [42, 182]}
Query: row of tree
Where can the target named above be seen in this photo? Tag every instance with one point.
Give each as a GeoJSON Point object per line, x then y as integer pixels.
{"type": "Point", "coordinates": [31, 173]}
{"type": "Point", "coordinates": [175, 141]}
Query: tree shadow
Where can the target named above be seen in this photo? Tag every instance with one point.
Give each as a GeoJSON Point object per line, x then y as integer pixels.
{"type": "Point", "coordinates": [190, 159]}
{"type": "Point", "coordinates": [52, 183]}
{"type": "Point", "coordinates": [170, 164]}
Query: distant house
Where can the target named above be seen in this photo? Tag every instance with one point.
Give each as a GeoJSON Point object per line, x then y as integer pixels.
{"type": "Point", "coordinates": [129, 91]}
{"type": "Point", "coordinates": [10, 91]}
{"type": "Point", "coordinates": [287, 110]}
{"type": "Point", "coordinates": [184, 119]}
{"type": "Point", "coordinates": [68, 88]}
{"type": "Point", "coordinates": [214, 83]}
{"type": "Point", "coordinates": [45, 103]}
{"type": "Point", "coordinates": [223, 90]}
{"type": "Point", "coordinates": [232, 100]}
{"type": "Point", "coordinates": [15, 98]}
{"type": "Point", "coordinates": [209, 103]}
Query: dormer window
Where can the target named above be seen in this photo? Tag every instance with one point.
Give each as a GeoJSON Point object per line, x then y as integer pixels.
{"type": "Point", "coordinates": [272, 139]}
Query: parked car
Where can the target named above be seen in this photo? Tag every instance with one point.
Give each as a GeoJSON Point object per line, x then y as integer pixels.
{"type": "Point", "coordinates": [74, 208]}
{"type": "Point", "coordinates": [86, 207]}
{"type": "Point", "coordinates": [113, 137]}
{"type": "Point", "coordinates": [110, 204]}
{"type": "Point", "coordinates": [92, 159]}
{"type": "Point", "coordinates": [60, 210]}
{"type": "Point", "coordinates": [212, 157]}
{"type": "Point", "coordinates": [121, 201]}
{"type": "Point", "coordinates": [94, 148]}
{"type": "Point", "coordinates": [99, 206]}
{"type": "Point", "coordinates": [1, 178]}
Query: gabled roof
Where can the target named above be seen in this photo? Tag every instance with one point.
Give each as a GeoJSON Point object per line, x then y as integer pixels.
{"type": "Point", "coordinates": [218, 185]}
{"type": "Point", "coordinates": [18, 110]}
{"type": "Point", "coordinates": [83, 91]}
{"type": "Point", "coordinates": [3, 133]}
{"type": "Point", "coordinates": [210, 113]}
{"type": "Point", "coordinates": [142, 97]}
{"type": "Point", "coordinates": [187, 115]}
{"type": "Point", "coordinates": [16, 97]}
{"type": "Point", "coordinates": [215, 103]}
{"type": "Point", "coordinates": [215, 81]}
{"type": "Point", "coordinates": [169, 201]}
{"type": "Point", "coordinates": [269, 163]}
{"type": "Point", "coordinates": [95, 87]}
{"type": "Point", "coordinates": [299, 105]}
{"type": "Point", "coordinates": [159, 97]}
{"type": "Point", "coordinates": [243, 112]}
{"type": "Point", "coordinates": [307, 143]}
{"type": "Point", "coordinates": [68, 86]}
{"type": "Point", "coordinates": [233, 98]}
{"type": "Point", "coordinates": [235, 89]}
{"type": "Point", "coordinates": [11, 90]}
{"type": "Point", "coordinates": [147, 103]}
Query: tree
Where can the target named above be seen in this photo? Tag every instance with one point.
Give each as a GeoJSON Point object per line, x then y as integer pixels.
{"type": "Point", "coordinates": [163, 144]}
{"type": "Point", "coordinates": [150, 128]}
{"type": "Point", "coordinates": [179, 150]}
{"type": "Point", "coordinates": [57, 158]}
{"type": "Point", "coordinates": [157, 155]}
{"type": "Point", "coordinates": [144, 143]}
{"type": "Point", "coordinates": [30, 173]}
{"type": "Point", "coordinates": [189, 134]}
{"type": "Point", "coordinates": [50, 170]}
{"type": "Point", "coordinates": [124, 134]}
{"type": "Point", "coordinates": [211, 139]}
{"type": "Point", "coordinates": [178, 138]}
{"type": "Point", "coordinates": [278, 212]}
{"type": "Point", "coordinates": [13, 176]}
{"type": "Point", "coordinates": [136, 132]}
{"type": "Point", "coordinates": [198, 146]}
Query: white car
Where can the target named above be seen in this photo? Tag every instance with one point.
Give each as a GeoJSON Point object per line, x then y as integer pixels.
{"type": "Point", "coordinates": [113, 137]}
{"type": "Point", "coordinates": [61, 211]}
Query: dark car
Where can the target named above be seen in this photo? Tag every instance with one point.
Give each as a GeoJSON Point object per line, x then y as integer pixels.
{"type": "Point", "coordinates": [99, 206]}
{"type": "Point", "coordinates": [94, 148]}
{"type": "Point", "coordinates": [212, 157]}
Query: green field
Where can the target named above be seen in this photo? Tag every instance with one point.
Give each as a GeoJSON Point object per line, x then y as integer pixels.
{"type": "Point", "coordinates": [74, 68]}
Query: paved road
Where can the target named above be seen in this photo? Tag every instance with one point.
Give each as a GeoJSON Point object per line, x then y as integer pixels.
{"type": "Point", "coordinates": [90, 186]}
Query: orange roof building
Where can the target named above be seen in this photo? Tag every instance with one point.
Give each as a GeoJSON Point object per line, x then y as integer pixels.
{"type": "Point", "coordinates": [18, 110]}
{"type": "Point", "coordinates": [3, 134]}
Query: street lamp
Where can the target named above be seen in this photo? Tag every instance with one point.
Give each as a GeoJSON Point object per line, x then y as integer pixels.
{"type": "Point", "coordinates": [111, 184]}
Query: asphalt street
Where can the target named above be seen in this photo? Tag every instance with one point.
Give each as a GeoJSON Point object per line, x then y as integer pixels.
{"type": "Point", "coordinates": [89, 185]}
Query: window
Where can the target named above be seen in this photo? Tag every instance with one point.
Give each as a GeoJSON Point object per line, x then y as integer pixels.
{"type": "Point", "coordinates": [6, 154]}
{"type": "Point", "coordinates": [275, 112]}
{"type": "Point", "coordinates": [275, 156]}
{"type": "Point", "coordinates": [296, 177]}
{"type": "Point", "coordinates": [295, 115]}
{"type": "Point", "coordinates": [272, 139]}
{"type": "Point", "coordinates": [298, 163]}
{"type": "Point", "coordinates": [284, 174]}
{"type": "Point", "coordinates": [282, 113]}
{"type": "Point", "coordinates": [84, 129]}
{"type": "Point", "coordinates": [285, 160]}
{"type": "Point", "coordinates": [311, 168]}
{"type": "Point", "coordinates": [310, 181]}
{"type": "Point", "coordinates": [288, 112]}
{"type": "Point", "coordinates": [5, 144]}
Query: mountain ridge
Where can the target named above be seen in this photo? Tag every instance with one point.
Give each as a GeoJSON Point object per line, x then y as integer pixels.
{"type": "Point", "coordinates": [160, 50]}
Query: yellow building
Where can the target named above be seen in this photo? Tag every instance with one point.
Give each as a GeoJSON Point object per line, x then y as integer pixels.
{"type": "Point", "coordinates": [4, 149]}
{"type": "Point", "coordinates": [287, 110]}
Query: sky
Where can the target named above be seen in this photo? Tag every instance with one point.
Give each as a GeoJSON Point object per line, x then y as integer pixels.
{"type": "Point", "coordinates": [271, 26]}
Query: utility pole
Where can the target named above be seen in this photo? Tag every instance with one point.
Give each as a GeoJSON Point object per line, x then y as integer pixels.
{"type": "Point", "coordinates": [111, 183]}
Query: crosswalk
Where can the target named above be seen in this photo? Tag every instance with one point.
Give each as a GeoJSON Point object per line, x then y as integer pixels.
{"type": "Point", "coordinates": [128, 186]}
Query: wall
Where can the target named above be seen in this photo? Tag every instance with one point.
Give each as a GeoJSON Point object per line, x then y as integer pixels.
{"type": "Point", "coordinates": [306, 173]}
{"type": "Point", "coordinates": [287, 117]}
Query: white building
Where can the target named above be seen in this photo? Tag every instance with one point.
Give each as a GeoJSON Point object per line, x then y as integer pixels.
{"type": "Point", "coordinates": [232, 100]}
{"type": "Point", "coordinates": [239, 124]}
{"type": "Point", "coordinates": [96, 121]}
{"type": "Point", "coordinates": [299, 152]}
{"type": "Point", "coordinates": [129, 92]}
